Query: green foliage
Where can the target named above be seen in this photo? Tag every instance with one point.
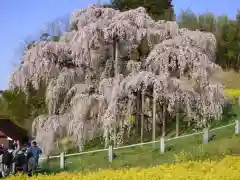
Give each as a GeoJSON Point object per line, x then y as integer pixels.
{"type": "Point", "coordinates": [22, 108]}
{"type": "Point", "coordinates": [188, 19]}
{"type": "Point", "coordinates": [226, 31]}
{"type": "Point", "coordinates": [16, 105]}
{"type": "Point", "coordinates": [207, 22]}
{"type": "Point", "coordinates": [178, 150]}
{"type": "Point", "coordinates": [238, 17]}
{"type": "Point", "coordinates": [30, 45]}
{"type": "Point", "coordinates": [44, 36]}
{"type": "Point", "coordinates": [158, 9]}
{"type": "Point", "coordinates": [181, 157]}
{"type": "Point", "coordinates": [3, 109]}
{"type": "Point", "coordinates": [55, 38]}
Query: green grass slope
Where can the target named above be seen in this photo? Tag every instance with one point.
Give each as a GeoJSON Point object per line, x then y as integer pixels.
{"type": "Point", "coordinates": [226, 142]}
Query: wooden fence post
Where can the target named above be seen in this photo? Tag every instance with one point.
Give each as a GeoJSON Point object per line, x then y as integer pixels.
{"type": "Point", "coordinates": [162, 145]}
{"type": "Point", "coordinates": [142, 116]}
{"type": "Point", "coordinates": [205, 135]}
{"type": "Point", "coordinates": [154, 118]}
{"type": "Point", "coordinates": [62, 161]}
{"type": "Point", "coordinates": [237, 127]}
{"type": "Point", "coordinates": [115, 134]}
{"type": "Point", "coordinates": [47, 158]}
{"type": "Point", "coordinates": [177, 121]}
{"type": "Point", "coordinates": [110, 153]}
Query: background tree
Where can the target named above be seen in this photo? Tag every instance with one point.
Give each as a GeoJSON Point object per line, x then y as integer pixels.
{"type": "Point", "coordinates": [227, 33]}
{"type": "Point", "coordinates": [53, 30]}
{"type": "Point", "coordinates": [3, 109]}
{"type": "Point", "coordinates": [238, 17]}
{"type": "Point", "coordinates": [20, 108]}
{"type": "Point", "coordinates": [157, 9]}
{"type": "Point", "coordinates": [188, 19]}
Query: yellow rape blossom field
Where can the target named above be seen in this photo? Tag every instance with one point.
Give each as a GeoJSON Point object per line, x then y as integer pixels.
{"type": "Point", "coordinates": [227, 168]}
{"type": "Point", "coordinates": [235, 93]}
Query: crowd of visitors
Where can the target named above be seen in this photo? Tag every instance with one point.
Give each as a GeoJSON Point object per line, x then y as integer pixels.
{"type": "Point", "coordinates": [17, 158]}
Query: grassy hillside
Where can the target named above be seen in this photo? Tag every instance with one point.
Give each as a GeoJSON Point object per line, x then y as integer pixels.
{"type": "Point", "coordinates": [230, 79]}
{"type": "Point", "coordinates": [226, 142]}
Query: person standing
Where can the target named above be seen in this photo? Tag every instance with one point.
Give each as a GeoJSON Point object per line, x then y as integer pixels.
{"type": "Point", "coordinates": [36, 152]}
{"type": "Point", "coordinates": [1, 162]}
{"type": "Point", "coordinates": [16, 148]}
{"type": "Point", "coordinates": [7, 160]}
{"type": "Point", "coordinates": [20, 160]}
{"type": "Point", "coordinates": [31, 164]}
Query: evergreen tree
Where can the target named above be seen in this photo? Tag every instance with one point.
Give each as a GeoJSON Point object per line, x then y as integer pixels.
{"type": "Point", "coordinates": [20, 108]}
{"type": "Point", "coordinates": [227, 33]}
{"type": "Point", "coordinates": [158, 9]}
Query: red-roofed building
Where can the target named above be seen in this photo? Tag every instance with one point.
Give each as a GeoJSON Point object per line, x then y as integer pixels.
{"type": "Point", "coordinates": [10, 131]}
{"type": "Point", "coordinates": [3, 139]}
{"type": "Point", "coordinates": [2, 134]}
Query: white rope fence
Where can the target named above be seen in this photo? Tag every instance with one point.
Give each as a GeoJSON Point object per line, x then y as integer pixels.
{"type": "Point", "coordinates": [162, 141]}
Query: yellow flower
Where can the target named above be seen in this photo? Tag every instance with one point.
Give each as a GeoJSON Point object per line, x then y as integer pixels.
{"type": "Point", "coordinates": [233, 94]}
{"type": "Point", "coordinates": [227, 168]}
{"type": "Point", "coordinates": [132, 118]}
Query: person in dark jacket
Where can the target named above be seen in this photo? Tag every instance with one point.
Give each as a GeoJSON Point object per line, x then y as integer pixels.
{"type": "Point", "coordinates": [7, 160]}
{"type": "Point", "coordinates": [15, 148]}
{"type": "Point", "coordinates": [1, 149]}
{"type": "Point", "coordinates": [26, 155]}
{"type": "Point", "coordinates": [31, 164]}
{"type": "Point", "coordinates": [35, 150]}
{"type": "Point", "coordinates": [1, 163]}
{"type": "Point", "coordinates": [20, 160]}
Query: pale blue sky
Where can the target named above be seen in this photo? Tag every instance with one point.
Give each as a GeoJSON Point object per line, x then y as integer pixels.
{"type": "Point", "coordinates": [21, 18]}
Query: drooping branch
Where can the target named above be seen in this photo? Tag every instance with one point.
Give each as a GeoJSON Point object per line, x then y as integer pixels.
{"type": "Point", "coordinates": [85, 96]}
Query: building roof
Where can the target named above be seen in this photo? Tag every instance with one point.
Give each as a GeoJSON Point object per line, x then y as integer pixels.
{"type": "Point", "coordinates": [2, 134]}
{"type": "Point", "coordinates": [11, 130]}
